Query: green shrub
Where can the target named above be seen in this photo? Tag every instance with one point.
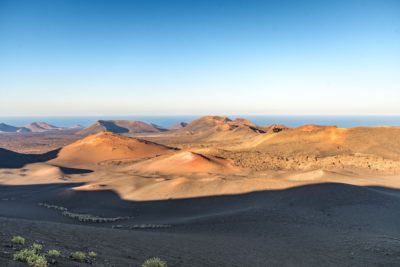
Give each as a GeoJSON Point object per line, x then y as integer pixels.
{"type": "Point", "coordinates": [18, 240]}
{"type": "Point", "coordinates": [154, 262]}
{"type": "Point", "coordinates": [23, 255]}
{"type": "Point", "coordinates": [30, 257]}
{"type": "Point", "coordinates": [78, 256]}
{"type": "Point", "coordinates": [37, 261]}
{"type": "Point", "coordinates": [37, 247]}
{"type": "Point", "coordinates": [92, 254]}
{"type": "Point", "coordinates": [54, 253]}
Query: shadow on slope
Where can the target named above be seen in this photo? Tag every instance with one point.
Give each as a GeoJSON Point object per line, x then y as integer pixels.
{"type": "Point", "coordinates": [332, 224]}
{"type": "Point", "coordinates": [67, 170]}
{"type": "Point", "coordinates": [11, 159]}
{"type": "Point", "coordinates": [324, 203]}
{"type": "Point", "coordinates": [112, 127]}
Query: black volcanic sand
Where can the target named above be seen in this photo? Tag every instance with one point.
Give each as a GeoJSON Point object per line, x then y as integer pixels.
{"type": "Point", "coordinates": [317, 225]}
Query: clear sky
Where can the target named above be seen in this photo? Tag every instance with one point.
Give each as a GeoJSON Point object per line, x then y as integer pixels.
{"type": "Point", "coordinates": [96, 57]}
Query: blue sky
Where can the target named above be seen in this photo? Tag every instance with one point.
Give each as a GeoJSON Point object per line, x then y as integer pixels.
{"type": "Point", "coordinates": [199, 57]}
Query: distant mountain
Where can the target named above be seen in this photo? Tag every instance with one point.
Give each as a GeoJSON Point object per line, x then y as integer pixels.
{"type": "Point", "coordinates": [179, 125]}
{"type": "Point", "coordinates": [217, 124]}
{"type": "Point", "coordinates": [162, 129]}
{"type": "Point", "coordinates": [275, 128]}
{"type": "Point", "coordinates": [34, 127]}
{"type": "Point", "coordinates": [217, 128]}
{"type": "Point", "coordinates": [5, 128]}
{"type": "Point", "coordinates": [121, 126]}
{"type": "Point", "coordinates": [76, 127]}
{"type": "Point", "coordinates": [38, 127]}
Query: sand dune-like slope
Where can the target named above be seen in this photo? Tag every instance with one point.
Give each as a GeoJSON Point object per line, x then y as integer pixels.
{"type": "Point", "coordinates": [140, 187]}
{"type": "Point", "coordinates": [104, 146]}
{"type": "Point", "coordinates": [120, 126]}
{"type": "Point", "coordinates": [310, 139]}
{"type": "Point", "coordinates": [320, 147]}
{"type": "Point", "coordinates": [330, 140]}
{"type": "Point", "coordinates": [382, 141]}
{"type": "Point", "coordinates": [240, 158]}
{"type": "Point", "coordinates": [185, 162]}
{"type": "Point", "coordinates": [36, 173]}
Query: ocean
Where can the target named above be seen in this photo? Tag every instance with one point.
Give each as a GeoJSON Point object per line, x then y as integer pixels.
{"type": "Point", "coordinates": [168, 121]}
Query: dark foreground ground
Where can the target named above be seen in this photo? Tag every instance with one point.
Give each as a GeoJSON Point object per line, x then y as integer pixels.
{"type": "Point", "coordinates": [318, 225]}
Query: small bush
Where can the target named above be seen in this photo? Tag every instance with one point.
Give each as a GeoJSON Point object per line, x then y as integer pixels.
{"type": "Point", "coordinates": [92, 254]}
{"type": "Point", "coordinates": [30, 257]}
{"type": "Point", "coordinates": [18, 240]}
{"type": "Point", "coordinates": [37, 247]}
{"type": "Point", "coordinates": [78, 256]}
{"type": "Point", "coordinates": [54, 253]}
{"type": "Point", "coordinates": [154, 262]}
{"type": "Point", "coordinates": [37, 261]}
{"type": "Point", "coordinates": [23, 255]}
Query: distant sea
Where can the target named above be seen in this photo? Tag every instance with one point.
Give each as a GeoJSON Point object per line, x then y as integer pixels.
{"type": "Point", "coordinates": [168, 121]}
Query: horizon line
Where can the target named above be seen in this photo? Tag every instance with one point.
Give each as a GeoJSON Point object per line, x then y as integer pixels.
{"type": "Point", "coordinates": [202, 115]}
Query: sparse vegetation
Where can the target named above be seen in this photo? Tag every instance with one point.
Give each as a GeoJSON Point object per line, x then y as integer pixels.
{"type": "Point", "coordinates": [149, 226]}
{"type": "Point", "coordinates": [78, 256]}
{"type": "Point", "coordinates": [154, 262]}
{"type": "Point", "coordinates": [83, 217]}
{"type": "Point", "coordinates": [31, 257]}
{"type": "Point", "coordinates": [37, 261]}
{"type": "Point", "coordinates": [92, 254]}
{"type": "Point", "coordinates": [22, 255]}
{"type": "Point", "coordinates": [53, 253]}
{"type": "Point", "coordinates": [141, 226]}
{"type": "Point", "coordinates": [34, 256]}
{"type": "Point", "coordinates": [37, 247]}
{"type": "Point", "coordinates": [18, 240]}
